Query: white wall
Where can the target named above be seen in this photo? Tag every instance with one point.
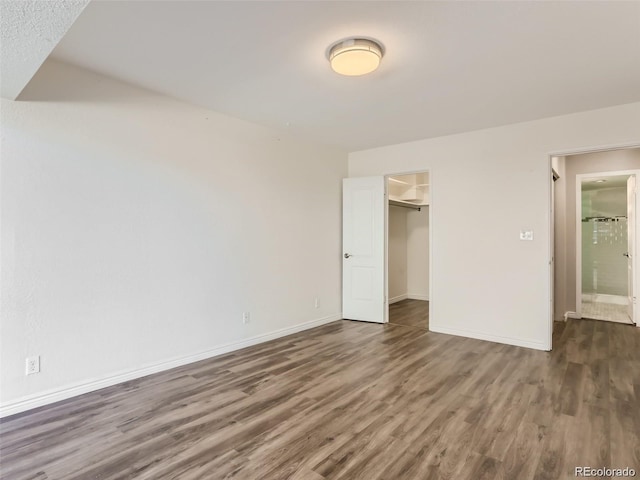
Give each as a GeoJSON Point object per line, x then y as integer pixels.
{"type": "Point", "coordinates": [136, 229]}
{"type": "Point", "coordinates": [397, 249]}
{"type": "Point", "coordinates": [486, 186]}
{"type": "Point", "coordinates": [418, 254]}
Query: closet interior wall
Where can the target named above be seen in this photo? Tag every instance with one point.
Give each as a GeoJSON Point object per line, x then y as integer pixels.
{"type": "Point", "coordinates": [408, 253]}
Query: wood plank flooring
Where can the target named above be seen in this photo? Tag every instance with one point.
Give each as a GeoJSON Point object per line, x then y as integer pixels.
{"type": "Point", "coordinates": [352, 400]}
{"type": "Point", "coordinates": [410, 313]}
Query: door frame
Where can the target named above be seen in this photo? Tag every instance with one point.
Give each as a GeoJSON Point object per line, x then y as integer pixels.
{"type": "Point", "coordinates": [386, 237]}
{"type": "Point", "coordinates": [553, 211]}
{"type": "Point", "coordinates": [634, 262]}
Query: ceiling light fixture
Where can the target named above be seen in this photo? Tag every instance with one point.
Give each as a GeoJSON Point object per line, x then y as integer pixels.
{"type": "Point", "coordinates": [355, 56]}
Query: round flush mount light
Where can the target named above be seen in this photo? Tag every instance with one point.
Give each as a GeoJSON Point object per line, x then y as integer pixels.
{"type": "Point", "coordinates": [355, 56]}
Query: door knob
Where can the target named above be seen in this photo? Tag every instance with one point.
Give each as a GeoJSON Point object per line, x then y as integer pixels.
{"type": "Point", "coordinates": [347, 255]}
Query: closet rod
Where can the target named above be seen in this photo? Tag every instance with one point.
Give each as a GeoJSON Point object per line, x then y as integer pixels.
{"type": "Point", "coordinates": [405, 205]}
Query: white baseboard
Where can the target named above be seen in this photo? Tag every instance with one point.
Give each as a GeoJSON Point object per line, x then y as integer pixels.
{"type": "Point", "coordinates": [568, 315]}
{"type": "Point", "coordinates": [418, 296]}
{"type": "Point", "coordinates": [518, 342]}
{"type": "Point", "coordinates": [399, 298]}
{"type": "Point", "coordinates": [38, 400]}
{"type": "Point", "coordinates": [411, 296]}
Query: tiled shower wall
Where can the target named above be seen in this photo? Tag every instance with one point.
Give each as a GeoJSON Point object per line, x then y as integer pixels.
{"type": "Point", "coordinates": [604, 242]}
{"type": "Point", "coordinates": [604, 266]}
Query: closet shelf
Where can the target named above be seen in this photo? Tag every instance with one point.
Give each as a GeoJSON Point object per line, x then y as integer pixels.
{"type": "Point", "coordinates": [409, 190]}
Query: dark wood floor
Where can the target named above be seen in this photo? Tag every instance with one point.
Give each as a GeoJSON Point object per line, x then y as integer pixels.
{"type": "Point", "coordinates": [352, 400]}
{"type": "Point", "coordinates": [410, 313]}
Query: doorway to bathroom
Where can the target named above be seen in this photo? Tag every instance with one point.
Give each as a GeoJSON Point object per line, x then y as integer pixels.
{"type": "Point", "coordinates": [605, 242]}
{"type": "Point", "coordinates": [594, 205]}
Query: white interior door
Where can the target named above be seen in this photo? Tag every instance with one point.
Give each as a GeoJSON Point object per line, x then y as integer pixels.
{"type": "Point", "coordinates": [631, 254]}
{"type": "Point", "coordinates": [363, 249]}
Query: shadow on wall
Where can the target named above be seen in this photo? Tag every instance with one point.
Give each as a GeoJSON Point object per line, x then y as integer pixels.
{"type": "Point", "coordinates": [59, 87]}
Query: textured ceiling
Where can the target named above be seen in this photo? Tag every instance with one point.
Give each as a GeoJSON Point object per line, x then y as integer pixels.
{"type": "Point", "coordinates": [29, 29]}
{"type": "Point", "coordinates": [449, 66]}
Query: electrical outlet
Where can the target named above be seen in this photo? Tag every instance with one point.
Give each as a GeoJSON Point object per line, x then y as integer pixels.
{"type": "Point", "coordinates": [317, 302]}
{"type": "Point", "coordinates": [246, 317]}
{"type": "Point", "coordinates": [33, 365]}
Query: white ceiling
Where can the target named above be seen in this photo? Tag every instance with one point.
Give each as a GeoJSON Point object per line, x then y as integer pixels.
{"type": "Point", "coordinates": [449, 66]}
{"type": "Point", "coordinates": [29, 30]}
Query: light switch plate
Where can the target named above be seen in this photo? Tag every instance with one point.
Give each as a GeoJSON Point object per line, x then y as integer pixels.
{"type": "Point", "coordinates": [526, 235]}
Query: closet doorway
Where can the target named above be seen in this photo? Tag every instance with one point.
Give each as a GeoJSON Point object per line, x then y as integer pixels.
{"type": "Point", "coordinates": [408, 249]}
